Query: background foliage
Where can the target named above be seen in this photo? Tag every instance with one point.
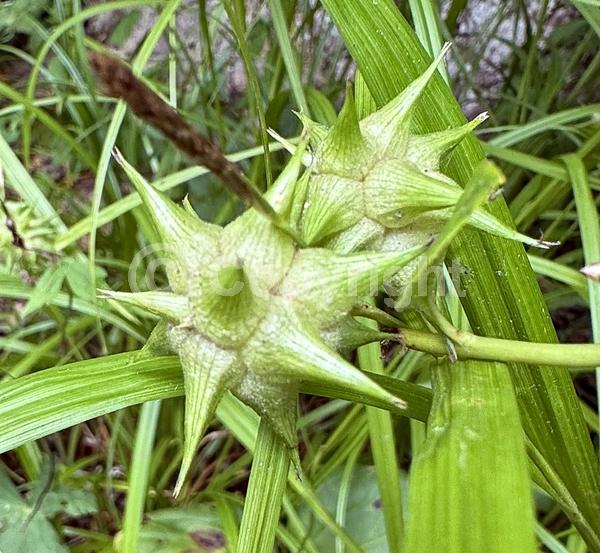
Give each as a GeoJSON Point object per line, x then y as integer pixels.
{"type": "Point", "coordinates": [101, 465]}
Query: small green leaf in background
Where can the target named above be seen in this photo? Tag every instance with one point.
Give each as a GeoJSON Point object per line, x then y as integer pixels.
{"type": "Point", "coordinates": [78, 278]}
{"type": "Point", "coordinates": [24, 524]}
{"type": "Point", "coordinates": [364, 519]}
{"type": "Point", "coordinates": [46, 289]}
{"type": "Point", "coordinates": [193, 529]}
{"type": "Point", "coordinates": [75, 272]}
{"type": "Point", "coordinates": [15, 16]}
{"type": "Point", "coordinates": [124, 28]}
{"type": "Point", "coordinates": [320, 107]}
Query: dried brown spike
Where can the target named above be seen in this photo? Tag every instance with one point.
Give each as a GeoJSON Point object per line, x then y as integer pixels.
{"type": "Point", "coordinates": [119, 81]}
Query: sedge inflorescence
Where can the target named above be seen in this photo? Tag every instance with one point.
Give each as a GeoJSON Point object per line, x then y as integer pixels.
{"type": "Point", "coordinates": [251, 312]}
{"type": "Point", "coordinates": [376, 185]}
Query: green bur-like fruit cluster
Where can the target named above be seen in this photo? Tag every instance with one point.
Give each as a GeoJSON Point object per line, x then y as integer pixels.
{"type": "Point", "coordinates": [251, 313]}
{"type": "Point", "coordinates": [374, 185]}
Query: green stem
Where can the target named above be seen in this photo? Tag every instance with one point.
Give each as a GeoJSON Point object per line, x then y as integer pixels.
{"type": "Point", "coordinates": [265, 493]}
{"type": "Point", "coordinates": [470, 346]}
{"type": "Point", "coordinates": [30, 458]}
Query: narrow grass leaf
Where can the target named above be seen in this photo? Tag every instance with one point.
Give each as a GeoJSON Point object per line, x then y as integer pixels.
{"type": "Point", "coordinates": [10, 288]}
{"type": "Point", "coordinates": [49, 121]}
{"type": "Point", "coordinates": [425, 15]}
{"type": "Point", "coordinates": [20, 179]}
{"type": "Point", "coordinates": [383, 449]}
{"type": "Point", "coordinates": [267, 485]}
{"type": "Point", "coordinates": [561, 273]}
{"type": "Point", "coordinates": [538, 165]}
{"type": "Point", "coordinates": [48, 45]}
{"type": "Point", "coordinates": [589, 228]}
{"type": "Point", "coordinates": [590, 12]}
{"type": "Point", "coordinates": [47, 401]}
{"type": "Point", "coordinates": [138, 476]}
{"type": "Point", "coordinates": [555, 121]}
{"type": "Point", "coordinates": [287, 53]}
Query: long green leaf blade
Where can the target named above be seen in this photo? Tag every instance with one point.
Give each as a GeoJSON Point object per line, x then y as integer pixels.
{"type": "Point", "coordinates": [39, 404]}
{"type": "Point", "coordinates": [139, 475]}
{"type": "Point", "coordinates": [587, 216]}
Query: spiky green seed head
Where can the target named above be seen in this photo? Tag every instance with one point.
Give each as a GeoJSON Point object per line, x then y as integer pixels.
{"type": "Point", "coordinates": [375, 185]}
{"type": "Point", "coordinates": [251, 313]}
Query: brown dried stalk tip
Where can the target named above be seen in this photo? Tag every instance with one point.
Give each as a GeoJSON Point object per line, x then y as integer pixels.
{"type": "Point", "coordinates": [119, 81]}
